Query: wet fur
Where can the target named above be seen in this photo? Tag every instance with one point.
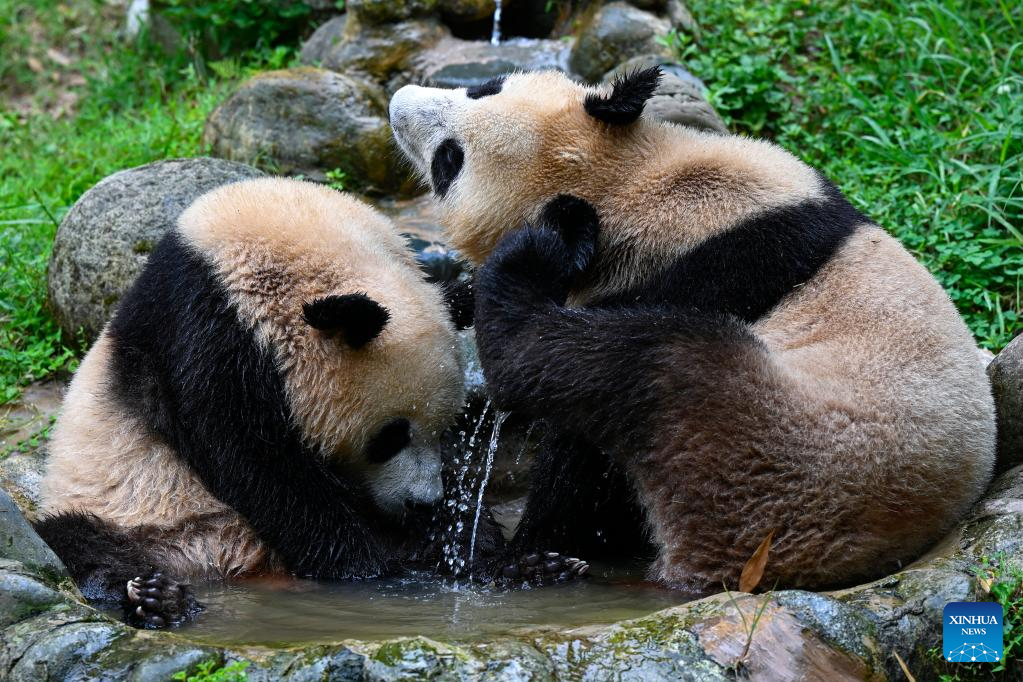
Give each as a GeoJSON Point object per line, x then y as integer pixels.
{"type": "Point", "coordinates": [750, 351]}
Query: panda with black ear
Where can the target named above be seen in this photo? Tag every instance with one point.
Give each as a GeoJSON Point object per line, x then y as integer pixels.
{"type": "Point", "coordinates": [270, 396]}
{"type": "Point", "coordinates": [726, 347]}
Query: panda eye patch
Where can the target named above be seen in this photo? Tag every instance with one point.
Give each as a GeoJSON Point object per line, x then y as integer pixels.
{"type": "Point", "coordinates": [389, 441]}
{"type": "Point", "coordinates": [491, 87]}
{"type": "Point", "coordinates": [447, 163]}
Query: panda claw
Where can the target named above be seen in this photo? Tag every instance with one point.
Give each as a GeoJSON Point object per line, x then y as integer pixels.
{"type": "Point", "coordinates": [134, 590]}
{"type": "Point", "coordinates": [157, 601]}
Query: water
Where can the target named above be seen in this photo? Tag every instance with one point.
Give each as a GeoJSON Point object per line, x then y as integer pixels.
{"type": "Point", "coordinates": [491, 449]}
{"type": "Point", "coordinates": [495, 34]}
{"type": "Point", "coordinates": [458, 501]}
{"type": "Point", "coordinates": [289, 611]}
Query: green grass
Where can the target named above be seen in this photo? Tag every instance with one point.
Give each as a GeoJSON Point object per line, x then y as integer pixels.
{"type": "Point", "coordinates": [915, 109]}
{"type": "Point", "coordinates": [134, 105]}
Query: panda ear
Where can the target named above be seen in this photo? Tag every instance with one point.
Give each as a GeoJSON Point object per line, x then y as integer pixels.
{"type": "Point", "coordinates": [629, 93]}
{"type": "Point", "coordinates": [357, 316]}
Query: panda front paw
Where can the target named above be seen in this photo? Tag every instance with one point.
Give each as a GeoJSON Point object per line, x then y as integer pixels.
{"type": "Point", "coordinates": [156, 601]}
{"type": "Point", "coordinates": [541, 568]}
{"type": "Point", "coordinates": [576, 221]}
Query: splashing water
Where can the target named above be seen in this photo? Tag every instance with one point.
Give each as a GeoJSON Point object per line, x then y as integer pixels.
{"type": "Point", "coordinates": [495, 34]}
{"type": "Point", "coordinates": [499, 418]}
{"type": "Point", "coordinates": [458, 501]}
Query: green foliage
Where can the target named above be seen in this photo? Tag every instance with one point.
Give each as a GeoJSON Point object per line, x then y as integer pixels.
{"type": "Point", "coordinates": [914, 108]}
{"type": "Point", "coordinates": [1002, 582]}
{"type": "Point", "coordinates": [134, 105]}
{"type": "Point", "coordinates": [212, 671]}
{"type": "Point", "coordinates": [223, 27]}
{"type": "Point", "coordinates": [336, 178]}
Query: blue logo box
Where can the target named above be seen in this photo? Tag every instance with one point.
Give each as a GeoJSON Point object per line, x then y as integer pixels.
{"type": "Point", "coordinates": [972, 632]}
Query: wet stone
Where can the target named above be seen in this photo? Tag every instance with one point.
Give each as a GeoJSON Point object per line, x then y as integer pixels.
{"type": "Point", "coordinates": [1006, 374]}
{"type": "Point", "coordinates": [455, 63]}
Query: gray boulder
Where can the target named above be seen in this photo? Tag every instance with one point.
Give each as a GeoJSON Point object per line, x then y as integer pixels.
{"type": "Point", "coordinates": [466, 10]}
{"type": "Point", "coordinates": [383, 53]}
{"type": "Point", "coordinates": [614, 33]}
{"type": "Point", "coordinates": [325, 38]}
{"type": "Point", "coordinates": [1006, 374]}
{"type": "Point", "coordinates": [106, 237]}
{"type": "Point", "coordinates": [19, 542]}
{"type": "Point", "coordinates": [455, 63]}
{"type": "Point", "coordinates": [679, 98]}
{"type": "Point", "coordinates": [309, 121]}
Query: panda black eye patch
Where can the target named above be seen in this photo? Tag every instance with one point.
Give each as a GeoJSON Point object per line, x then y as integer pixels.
{"type": "Point", "coordinates": [447, 163]}
{"type": "Point", "coordinates": [491, 87]}
{"type": "Point", "coordinates": [389, 441]}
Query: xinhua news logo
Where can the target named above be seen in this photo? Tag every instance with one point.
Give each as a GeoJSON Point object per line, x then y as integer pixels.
{"type": "Point", "coordinates": [972, 632]}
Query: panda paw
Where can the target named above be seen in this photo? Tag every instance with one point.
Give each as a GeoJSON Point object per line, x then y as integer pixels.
{"type": "Point", "coordinates": [576, 221]}
{"type": "Point", "coordinates": [156, 601]}
{"type": "Point", "coordinates": [541, 568]}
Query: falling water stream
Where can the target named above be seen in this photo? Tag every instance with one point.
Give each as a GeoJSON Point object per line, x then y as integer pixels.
{"type": "Point", "coordinates": [495, 34]}
{"type": "Point", "coordinates": [491, 449]}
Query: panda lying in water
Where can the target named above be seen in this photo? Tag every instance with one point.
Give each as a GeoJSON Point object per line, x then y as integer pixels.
{"type": "Point", "coordinates": [270, 396]}
{"type": "Point", "coordinates": [726, 347]}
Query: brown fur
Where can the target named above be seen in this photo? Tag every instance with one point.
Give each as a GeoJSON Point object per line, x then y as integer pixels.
{"type": "Point", "coordinates": [278, 244]}
{"type": "Point", "coordinates": [859, 432]}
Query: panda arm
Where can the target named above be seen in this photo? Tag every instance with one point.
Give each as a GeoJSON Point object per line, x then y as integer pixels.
{"type": "Point", "coordinates": [592, 370]}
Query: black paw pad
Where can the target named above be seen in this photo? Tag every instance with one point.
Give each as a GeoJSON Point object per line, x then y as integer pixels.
{"type": "Point", "coordinates": [156, 601]}
{"type": "Point", "coordinates": [541, 568]}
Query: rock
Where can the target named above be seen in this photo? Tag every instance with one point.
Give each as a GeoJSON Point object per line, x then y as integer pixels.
{"type": "Point", "coordinates": [615, 33]}
{"type": "Point", "coordinates": [1006, 374]}
{"type": "Point", "coordinates": [309, 121]}
{"type": "Point", "coordinates": [417, 221]}
{"type": "Point", "coordinates": [24, 428]}
{"type": "Point", "coordinates": [383, 53]}
{"type": "Point", "coordinates": [324, 39]}
{"type": "Point", "coordinates": [466, 10]}
{"type": "Point", "coordinates": [104, 240]}
{"type": "Point", "coordinates": [455, 63]}
{"type": "Point", "coordinates": [681, 18]}
{"type": "Point", "coordinates": [679, 98]}
{"type": "Point", "coordinates": [19, 542]}
{"type": "Point", "coordinates": [389, 11]}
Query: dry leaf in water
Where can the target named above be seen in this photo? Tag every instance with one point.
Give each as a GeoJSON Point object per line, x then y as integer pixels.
{"type": "Point", "coordinates": [753, 571]}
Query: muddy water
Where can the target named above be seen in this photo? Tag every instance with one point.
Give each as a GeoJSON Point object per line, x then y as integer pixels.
{"type": "Point", "coordinates": [293, 612]}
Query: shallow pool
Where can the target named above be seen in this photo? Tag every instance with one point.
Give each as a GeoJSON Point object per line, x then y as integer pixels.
{"type": "Point", "coordinates": [288, 611]}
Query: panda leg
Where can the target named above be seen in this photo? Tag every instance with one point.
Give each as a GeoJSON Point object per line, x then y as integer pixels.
{"type": "Point", "coordinates": [581, 502]}
{"type": "Point", "coordinates": [113, 567]}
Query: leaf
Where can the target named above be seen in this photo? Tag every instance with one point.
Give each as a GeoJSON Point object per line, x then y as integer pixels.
{"type": "Point", "coordinates": [985, 584]}
{"type": "Point", "coordinates": [753, 571]}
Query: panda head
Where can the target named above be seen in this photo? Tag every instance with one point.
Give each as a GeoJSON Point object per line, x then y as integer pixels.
{"type": "Point", "coordinates": [494, 155]}
{"type": "Point", "coordinates": [364, 346]}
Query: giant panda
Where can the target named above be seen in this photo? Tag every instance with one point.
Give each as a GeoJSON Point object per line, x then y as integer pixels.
{"type": "Point", "coordinates": [727, 350]}
{"type": "Point", "coordinates": [269, 396]}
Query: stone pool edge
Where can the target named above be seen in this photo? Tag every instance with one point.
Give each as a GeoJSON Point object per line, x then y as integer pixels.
{"type": "Point", "coordinates": [46, 632]}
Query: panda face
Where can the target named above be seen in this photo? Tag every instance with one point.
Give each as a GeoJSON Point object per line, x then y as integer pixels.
{"type": "Point", "coordinates": [495, 154]}
{"type": "Point", "coordinates": [402, 468]}
{"type": "Point", "coordinates": [365, 346]}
